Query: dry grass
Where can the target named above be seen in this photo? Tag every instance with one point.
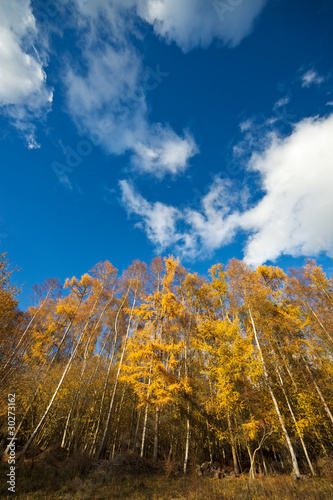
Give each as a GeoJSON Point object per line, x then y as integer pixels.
{"type": "Point", "coordinates": [325, 467]}
{"type": "Point", "coordinates": [53, 476]}
{"type": "Point", "coordinates": [102, 486]}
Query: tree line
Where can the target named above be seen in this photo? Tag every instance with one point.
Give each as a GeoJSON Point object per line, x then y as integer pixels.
{"type": "Point", "coordinates": [235, 366]}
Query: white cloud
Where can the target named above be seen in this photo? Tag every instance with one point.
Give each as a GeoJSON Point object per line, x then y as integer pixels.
{"type": "Point", "coordinates": [283, 101]}
{"type": "Point", "coordinates": [191, 233]}
{"type": "Point", "coordinates": [311, 77]}
{"type": "Point", "coordinates": [109, 101]}
{"type": "Point", "coordinates": [114, 86]}
{"type": "Point", "coordinates": [104, 100]}
{"type": "Point", "coordinates": [189, 23]}
{"type": "Point", "coordinates": [24, 95]}
{"type": "Point", "coordinates": [195, 23]}
{"type": "Point", "coordinates": [246, 125]}
{"type": "Point", "coordinates": [166, 152]}
{"type": "Point", "coordinates": [214, 225]}
{"type": "Point", "coordinates": [159, 220]}
{"type": "Point", "coordinates": [293, 217]}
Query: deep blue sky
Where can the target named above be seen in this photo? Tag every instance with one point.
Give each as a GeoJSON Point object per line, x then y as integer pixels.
{"type": "Point", "coordinates": [270, 76]}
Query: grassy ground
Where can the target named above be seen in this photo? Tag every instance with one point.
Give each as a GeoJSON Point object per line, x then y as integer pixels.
{"type": "Point", "coordinates": [74, 479]}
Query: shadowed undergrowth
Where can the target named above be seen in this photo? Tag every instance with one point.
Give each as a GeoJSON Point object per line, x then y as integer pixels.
{"type": "Point", "coordinates": [53, 475]}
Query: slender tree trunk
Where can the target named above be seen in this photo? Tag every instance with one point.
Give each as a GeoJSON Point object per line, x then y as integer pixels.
{"type": "Point", "coordinates": [328, 335]}
{"type": "Point", "coordinates": [110, 364]}
{"type": "Point", "coordinates": [277, 409]}
{"type": "Point", "coordinates": [209, 443]}
{"type": "Point", "coordinates": [11, 357]}
{"type": "Point", "coordinates": [136, 431]}
{"type": "Point", "coordinates": [295, 385]}
{"type": "Point", "coordinates": [233, 446]}
{"type": "Point", "coordinates": [157, 422]}
{"type": "Point", "coordinates": [144, 430]}
{"type": "Point", "coordinates": [251, 473]}
{"type": "Point", "coordinates": [319, 391]}
{"type": "Point", "coordinates": [170, 451]}
{"type": "Point", "coordinates": [78, 396]}
{"type": "Point", "coordinates": [68, 328]}
{"type": "Point", "coordinates": [69, 363]}
{"type": "Point", "coordinates": [132, 427]}
{"type": "Point", "coordinates": [237, 448]}
{"type": "Point", "coordinates": [118, 411]}
{"type": "Point", "coordinates": [187, 443]}
{"type": "Point", "coordinates": [85, 357]}
{"type": "Point", "coordinates": [102, 445]}
{"type": "Point", "coordinates": [295, 422]}
{"type": "Point", "coordinates": [264, 463]}
{"type": "Point", "coordinates": [63, 441]}
{"type": "Point", "coordinates": [100, 411]}
{"type": "Point", "coordinates": [253, 455]}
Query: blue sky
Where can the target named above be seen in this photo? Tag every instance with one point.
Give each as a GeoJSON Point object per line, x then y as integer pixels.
{"type": "Point", "coordinates": [131, 128]}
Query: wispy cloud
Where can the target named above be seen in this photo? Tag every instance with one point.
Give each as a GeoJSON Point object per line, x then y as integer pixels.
{"type": "Point", "coordinates": [283, 101]}
{"type": "Point", "coordinates": [110, 80]}
{"type": "Point", "coordinates": [191, 233]}
{"type": "Point", "coordinates": [189, 23]}
{"type": "Point", "coordinates": [115, 84]}
{"type": "Point", "coordinates": [311, 77]}
{"type": "Point", "coordinates": [246, 125]}
{"type": "Point", "coordinates": [158, 220]}
{"type": "Point", "coordinates": [114, 88]}
{"type": "Point", "coordinates": [293, 217]}
{"type": "Point", "coordinates": [214, 225]}
{"type": "Point", "coordinates": [24, 95]}
{"type": "Point", "coordinates": [164, 152]}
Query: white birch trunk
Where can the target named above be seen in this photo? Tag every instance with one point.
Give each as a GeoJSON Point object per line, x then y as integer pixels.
{"type": "Point", "coordinates": [277, 409]}
{"type": "Point", "coordinates": [295, 422]}
{"type": "Point", "coordinates": [102, 445]}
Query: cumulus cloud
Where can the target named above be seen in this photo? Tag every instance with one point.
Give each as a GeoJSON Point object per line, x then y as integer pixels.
{"type": "Point", "coordinates": [24, 95]}
{"type": "Point", "coordinates": [293, 217]}
{"type": "Point", "coordinates": [196, 23]}
{"type": "Point", "coordinates": [311, 77]}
